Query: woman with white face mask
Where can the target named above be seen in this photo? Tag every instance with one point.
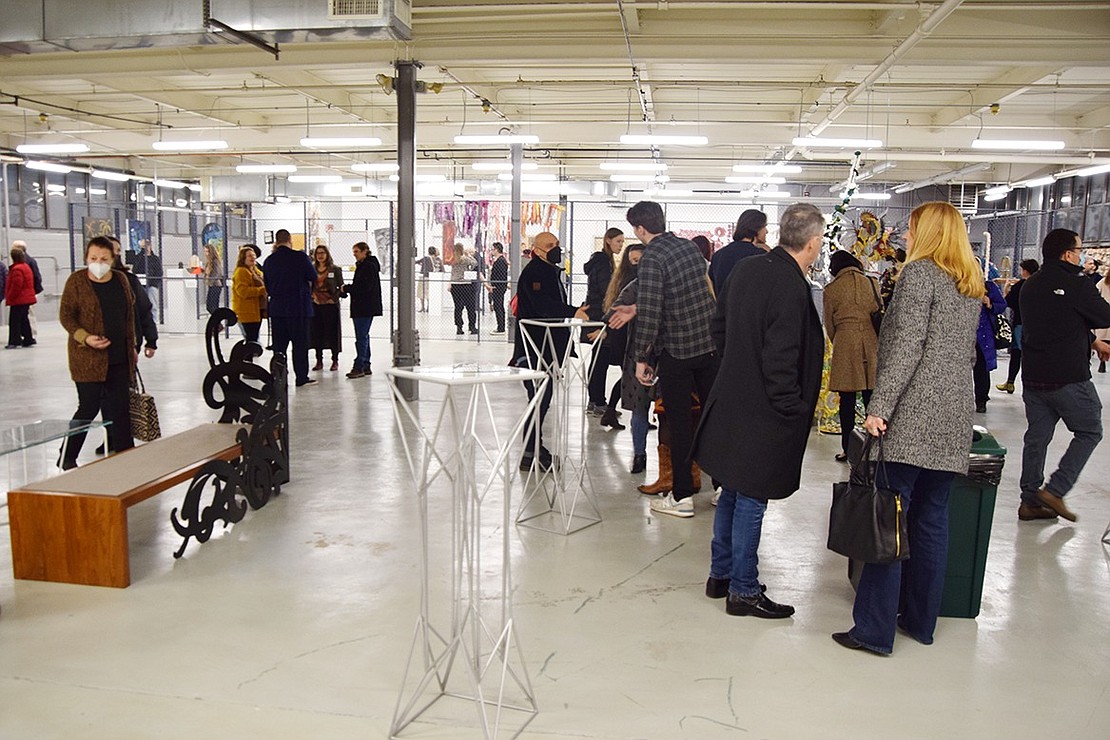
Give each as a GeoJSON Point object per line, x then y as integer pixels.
{"type": "Point", "coordinates": [97, 312]}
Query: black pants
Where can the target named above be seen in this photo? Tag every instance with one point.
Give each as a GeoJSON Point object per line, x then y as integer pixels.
{"type": "Point", "coordinates": [250, 330]}
{"type": "Point", "coordinates": [19, 326]}
{"type": "Point", "coordinates": [982, 378]}
{"type": "Point", "coordinates": [286, 329]}
{"type": "Point", "coordinates": [598, 374]}
{"type": "Point", "coordinates": [848, 415]}
{"type": "Point", "coordinates": [497, 300]}
{"type": "Point", "coordinates": [212, 300]}
{"type": "Point", "coordinates": [534, 436]}
{"type": "Point", "coordinates": [110, 400]}
{"type": "Point", "coordinates": [678, 379]}
{"type": "Point", "coordinates": [1015, 365]}
{"type": "Point", "coordinates": [463, 296]}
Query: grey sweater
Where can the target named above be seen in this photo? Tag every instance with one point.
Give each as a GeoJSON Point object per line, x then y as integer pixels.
{"type": "Point", "coordinates": [924, 386]}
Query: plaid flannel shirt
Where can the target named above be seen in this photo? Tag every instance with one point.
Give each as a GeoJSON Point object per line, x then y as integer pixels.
{"type": "Point", "coordinates": [674, 306]}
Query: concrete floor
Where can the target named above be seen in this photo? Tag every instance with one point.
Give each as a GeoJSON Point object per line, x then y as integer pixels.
{"type": "Point", "coordinates": [296, 622]}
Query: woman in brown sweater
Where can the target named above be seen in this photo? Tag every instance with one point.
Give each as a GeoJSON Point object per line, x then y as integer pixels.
{"type": "Point", "coordinates": [97, 312]}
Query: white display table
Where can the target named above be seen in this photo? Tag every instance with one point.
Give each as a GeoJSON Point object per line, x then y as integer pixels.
{"type": "Point", "coordinates": [561, 500]}
{"type": "Point", "coordinates": [461, 458]}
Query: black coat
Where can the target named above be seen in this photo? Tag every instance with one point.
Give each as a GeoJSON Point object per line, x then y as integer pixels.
{"type": "Point", "coordinates": [365, 289]}
{"type": "Point", "coordinates": [145, 326]}
{"type": "Point", "coordinates": [540, 295]}
{"type": "Point", "coordinates": [755, 424]}
{"type": "Point", "coordinates": [599, 271]}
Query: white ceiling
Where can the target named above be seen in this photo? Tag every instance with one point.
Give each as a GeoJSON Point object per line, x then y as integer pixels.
{"type": "Point", "coordinates": [748, 75]}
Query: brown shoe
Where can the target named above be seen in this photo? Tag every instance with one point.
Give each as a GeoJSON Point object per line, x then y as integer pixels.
{"type": "Point", "coordinates": [1029, 512]}
{"type": "Point", "coordinates": [665, 482]}
{"type": "Point", "coordinates": [1056, 504]}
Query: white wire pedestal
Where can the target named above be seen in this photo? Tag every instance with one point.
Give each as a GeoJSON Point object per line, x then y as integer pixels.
{"type": "Point", "coordinates": [465, 647]}
{"type": "Point", "coordinates": [561, 499]}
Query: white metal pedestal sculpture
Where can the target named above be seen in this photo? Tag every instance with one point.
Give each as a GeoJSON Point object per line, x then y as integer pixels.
{"type": "Point", "coordinates": [466, 646]}
{"type": "Point", "coordinates": [559, 498]}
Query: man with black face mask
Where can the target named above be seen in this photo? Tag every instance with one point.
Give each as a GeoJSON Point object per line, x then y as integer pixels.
{"type": "Point", "coordinates": [540, 295]}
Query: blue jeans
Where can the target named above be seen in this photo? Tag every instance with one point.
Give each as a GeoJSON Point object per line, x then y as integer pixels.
{"type": "Point", "coordinates": [925, 499]}
{"type": "Point", "coordinates": [737, 527]}
{"type": "Point", "coordinates": [362, 341]}
{"type": "Point", "coordinates": [639, 426]}
{"type": "Point", "coordinates": [1080, 408]}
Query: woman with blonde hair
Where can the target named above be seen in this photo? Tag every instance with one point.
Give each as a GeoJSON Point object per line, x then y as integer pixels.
{"type": "Point", "coordinates": [922, 412]}
{"type": "Point", "coordinates": [248, 293]}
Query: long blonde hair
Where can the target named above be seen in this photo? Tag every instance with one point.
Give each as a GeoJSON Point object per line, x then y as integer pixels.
{"type": "Point", "coordinates": [939, 235]}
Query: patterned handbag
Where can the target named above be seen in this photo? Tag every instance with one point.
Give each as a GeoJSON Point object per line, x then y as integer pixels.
{"type": "Point", "coordinates": [144, 412]}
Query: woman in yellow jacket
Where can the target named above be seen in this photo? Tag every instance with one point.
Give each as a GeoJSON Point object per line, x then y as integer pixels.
{"type": "Point", "coordinates": [248, 293]}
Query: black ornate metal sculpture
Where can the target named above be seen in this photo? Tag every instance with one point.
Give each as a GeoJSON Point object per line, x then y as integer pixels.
{"type": "Point", "coordinates": [248, 394]}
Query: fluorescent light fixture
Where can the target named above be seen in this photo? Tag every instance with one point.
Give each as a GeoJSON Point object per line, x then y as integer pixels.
{"type": "Point", "coordinates": [502, 166]}
{"type": "Point", "coordinates": [55, 187]}
{"type": "Point", "coordinates": [634, 166]}
{"type": "Point", "coordinates": [149, 198]}
{"type": "Point", "coordinates": [821, 141]}
{"type": "Point", "coordinates": [170, 184]}
{"type": "Point", "coordinates": [97, 191]}
{"type": "Point", "coordinates": [873, 196]}
{"type": "Point", "coordinates": [247, 169]}
{"type": "Point", "coordinates": [52, 148]}
{"type": "Point", "coordinates": [994, 196]}
{"type": "Point", "coordinates": [315, 178]}
{"type": "Point", "coordinates": [1037, 182]}
{"type": "Point", "coordinates": [1017, 144]}
{"type": "Point", "coordinates": [189, 146]}
{"type": "Point", "coordinates": [109, 175]}
{"type": "Point", "coordinates": [497, 139]}
{"type": "Point", "coordinates": [324, 142]}
{"type": "Point", "coordinates": [639, 178]}
{"type": "Point", "coordinates": [530, 177]}
{"type": "Point", "coordinates": [421, 178]}
{"type": "Point", "coordinates": [998, 190]}
{"type": "Point", "coordinates": [1098, 169]}
{"type": "Point", "coordinates": [194, 187]}
{"type": "Point", "coordinates": [375, 167]}
{"type": "Point", "coordinates": [1065, 199]}
{"type": "Point", "coordinates": [770, 169]}
{"type": "Point", "coordinates": [81, 191]}
{"type": "Point", "coordinates": [752, 180]}
{"type": "Point", "coordinates": [771, 194]}
{"type": "Point", "coordinates": [48, 167]}
{"type": "Point", "coordinates": [663, 140]}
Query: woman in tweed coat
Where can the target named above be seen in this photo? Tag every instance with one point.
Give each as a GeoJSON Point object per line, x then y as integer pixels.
{"type": "Point", "coordinates": [922, 411]}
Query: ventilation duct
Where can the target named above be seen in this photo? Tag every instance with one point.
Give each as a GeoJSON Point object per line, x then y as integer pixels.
{"type": "Point", "coordinates": [100, 25]}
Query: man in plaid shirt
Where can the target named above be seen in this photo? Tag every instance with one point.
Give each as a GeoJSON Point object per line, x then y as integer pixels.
{"type": "Point", "coordinates": [673, 311]}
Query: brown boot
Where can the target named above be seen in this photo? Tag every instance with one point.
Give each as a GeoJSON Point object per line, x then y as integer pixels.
{"type": "Point", "coordinates": [665, 482]}
{"type": "Point", "coordinates": [695, 473]}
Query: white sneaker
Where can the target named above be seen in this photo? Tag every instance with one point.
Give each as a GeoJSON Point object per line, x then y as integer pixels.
{"type": "Point", "coordinates": [667, 505]}
{"type": "Point", "coordinates": [716, 498]}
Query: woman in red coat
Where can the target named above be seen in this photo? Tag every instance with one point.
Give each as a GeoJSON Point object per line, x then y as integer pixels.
{"type": "Point", "coordinates": [19, 292]}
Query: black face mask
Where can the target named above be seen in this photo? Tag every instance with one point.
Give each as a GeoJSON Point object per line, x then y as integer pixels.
{"type": "Point", "coordinates": [555, 256]}
{"type": "Point", "coordinates": [632, 270]}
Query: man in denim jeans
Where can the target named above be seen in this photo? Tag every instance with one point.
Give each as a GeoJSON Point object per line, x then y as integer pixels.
{"type": "Point", "coordinates": [1059, 309]}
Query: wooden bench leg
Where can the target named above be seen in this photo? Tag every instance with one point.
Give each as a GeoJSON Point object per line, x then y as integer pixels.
{"type": "Point", "coordinates": [69, 539]}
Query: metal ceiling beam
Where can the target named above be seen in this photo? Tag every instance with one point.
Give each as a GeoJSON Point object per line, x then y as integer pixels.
{"type": "Point", "coordinates": [309, 85]}
{"type": "Point", "coordinates": [1013, 83]}
{"type": "Point", "coordinates": [186, 101]}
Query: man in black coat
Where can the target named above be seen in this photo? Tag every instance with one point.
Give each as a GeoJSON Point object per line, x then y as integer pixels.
{"type": "Point", "coordinates": [1059, 308]}
{"type": "Point", "coordinates": [498, 284]}
{"type": "Point", "coordinates": [750, 228]}
{"type": "Point", "coordinates": [756, 421]}
{"type": "Point", "coordinates": [289, 279]}
{"type": "Point", "coordinates": [540, 295]}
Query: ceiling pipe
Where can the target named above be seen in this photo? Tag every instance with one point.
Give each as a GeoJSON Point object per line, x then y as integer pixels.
{"type": "Point", "coordinates": [942, 178]}
{"type": "Point", "coordinates": [919, 34]}
{"type": "Point", "coordinates": [952, 157]}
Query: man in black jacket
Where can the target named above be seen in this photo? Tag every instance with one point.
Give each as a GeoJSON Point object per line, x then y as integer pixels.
{"type": "Point", "coordinates": [772, 346]}
{"type": "Point", "coordinates": [1059, 308]}
{"type": "Point", "coordinates": [540, 295]}
{"type": "Point", "coordinates": [498, 284]}
{"type": "Point", "coordinates": [751, 227]}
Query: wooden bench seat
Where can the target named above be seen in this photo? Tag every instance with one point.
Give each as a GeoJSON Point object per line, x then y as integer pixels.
{"type": "Point", "coordinates": [72, 528]}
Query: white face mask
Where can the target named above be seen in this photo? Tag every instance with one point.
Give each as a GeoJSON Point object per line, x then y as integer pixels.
{"type": "Point", "coordinates": [99, 269]}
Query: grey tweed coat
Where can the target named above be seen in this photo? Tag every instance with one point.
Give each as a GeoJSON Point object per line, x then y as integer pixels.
{"type": "Point", "coordinates": [924, 386]}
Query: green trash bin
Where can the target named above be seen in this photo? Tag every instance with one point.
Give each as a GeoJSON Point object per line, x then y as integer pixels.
{"type": "Point", "coordinates": [970, 513]}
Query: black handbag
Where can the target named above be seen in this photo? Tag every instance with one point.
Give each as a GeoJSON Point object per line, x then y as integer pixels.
{"type": "Point", "coordinates": [868, 523]}
{"type": "Point", "coordinates": [1003, 332]}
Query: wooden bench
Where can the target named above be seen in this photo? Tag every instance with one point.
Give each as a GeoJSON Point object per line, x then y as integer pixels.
{"type": "Point", "coordinates": [73, 528]}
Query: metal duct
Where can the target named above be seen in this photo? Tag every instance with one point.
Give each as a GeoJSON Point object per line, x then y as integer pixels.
{"type": "Point", "coordinates": [98, 25]}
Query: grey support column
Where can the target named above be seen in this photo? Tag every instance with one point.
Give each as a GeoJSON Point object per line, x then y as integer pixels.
{"type": "Point", "coordinates": [406, 352]}
{"type": "Point", "coordinates": [516, 151]}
